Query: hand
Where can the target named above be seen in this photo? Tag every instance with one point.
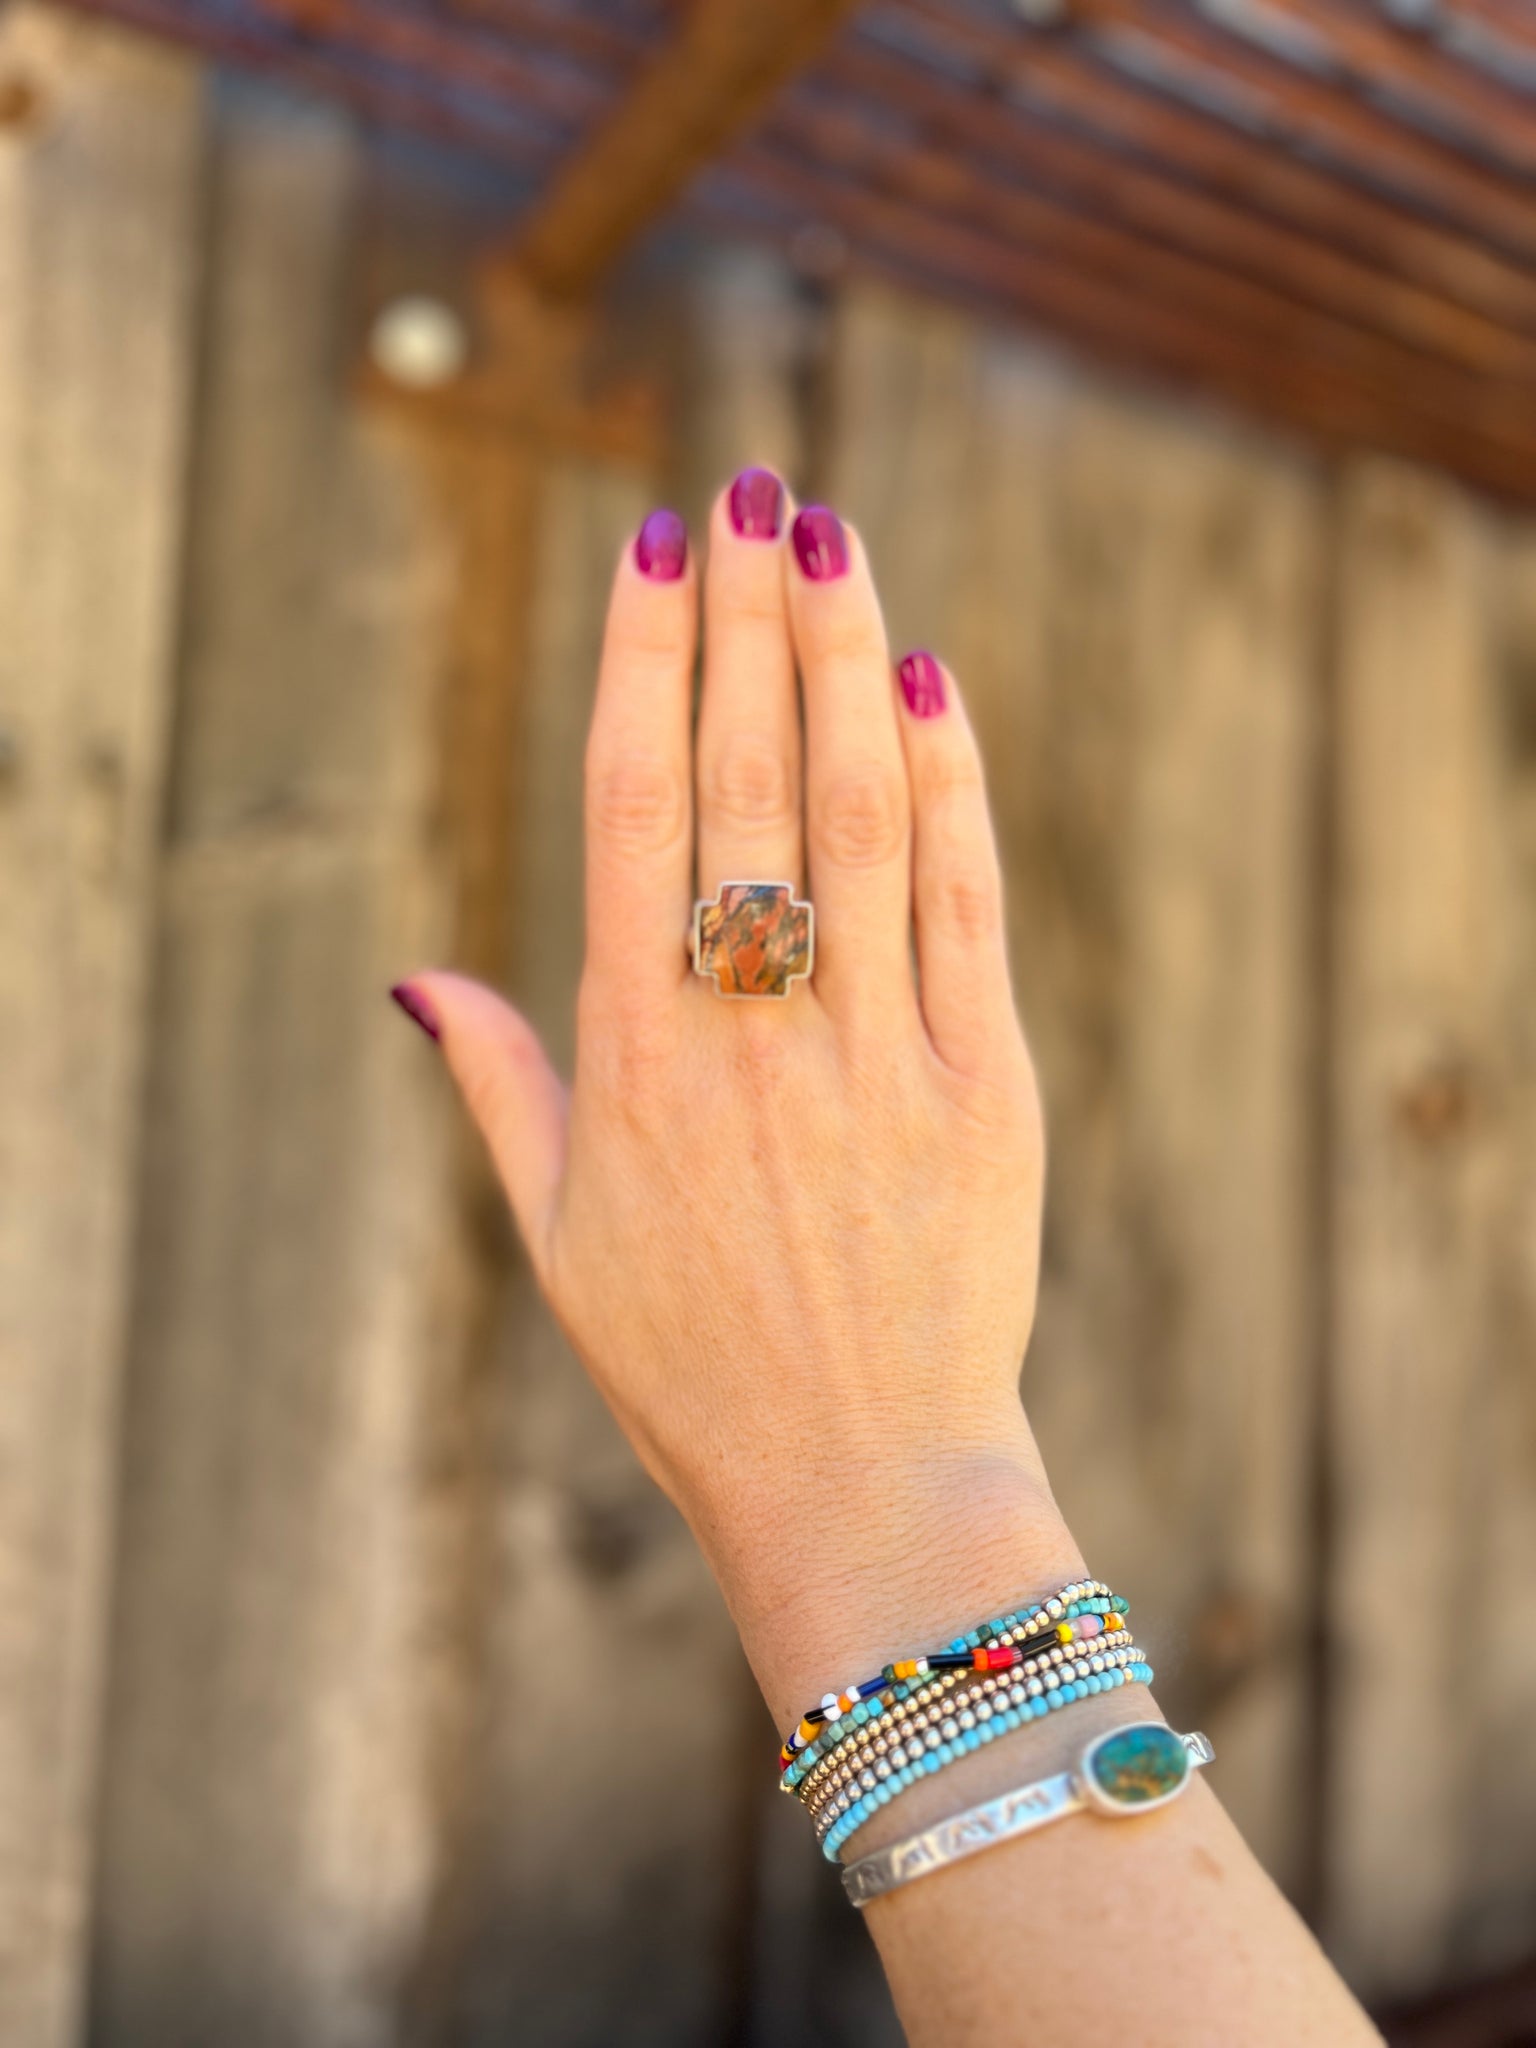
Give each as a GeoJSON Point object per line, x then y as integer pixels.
{"type": "Point", "coordinates": [795, 1242]}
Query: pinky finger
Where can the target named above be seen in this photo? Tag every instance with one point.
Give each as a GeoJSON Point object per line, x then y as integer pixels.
{"type": "Point", "coordinates": [957, 891]}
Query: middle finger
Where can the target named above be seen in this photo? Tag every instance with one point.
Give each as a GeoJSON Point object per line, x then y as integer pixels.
{"type": "Point", "coordinates": [748, 750]}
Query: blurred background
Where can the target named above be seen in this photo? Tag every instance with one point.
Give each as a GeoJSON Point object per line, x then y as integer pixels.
{"type": "Point", "coordinates": [1178, 363]}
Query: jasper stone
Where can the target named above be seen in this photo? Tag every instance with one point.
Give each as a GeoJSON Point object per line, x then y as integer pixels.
{"type": "Point", "coordinates": [754, 939]}
{"type": "Point", "coordinates": [1136, 1766]}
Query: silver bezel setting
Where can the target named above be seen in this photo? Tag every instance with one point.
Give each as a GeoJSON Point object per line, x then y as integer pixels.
{"type": "Point", "coordinates": [1097, 1800]}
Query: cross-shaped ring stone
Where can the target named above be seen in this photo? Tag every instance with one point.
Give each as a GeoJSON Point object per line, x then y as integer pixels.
{"type": "Point", "coordinates": [754, 939]}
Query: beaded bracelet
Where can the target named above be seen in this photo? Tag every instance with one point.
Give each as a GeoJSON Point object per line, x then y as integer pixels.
{"type": "Point", "coordinates": [944, 1742]}
{"type": "Point", "coordinates": [967, 1740]}
{"type": "Point", "coordinates": [1088, 1595]}
{"type": "Point", "coordinates": [1056, 1640]}
{"type": "Point", "coordinates": [940, 1693]}
{"type": "Point", "coordinates": [942, 1721]}
{"type": "Point", "coordinates": [931, 1741]}
{"type": "Point", "coordinates": [983, 1648]}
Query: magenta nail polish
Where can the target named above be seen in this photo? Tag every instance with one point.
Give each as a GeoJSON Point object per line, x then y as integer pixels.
{"type": "Point", "coordinates": [417, 1008]}
{"type": "Point", "coordinates": [661, 546]}
{"type": "Point", "coordinates": [821, 546]}
{"type": "Point", "coordinates": [757, 504]}
{"type": "Point", "coordinates": [922, 684]}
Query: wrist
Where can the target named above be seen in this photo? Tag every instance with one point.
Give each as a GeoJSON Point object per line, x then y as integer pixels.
{"type": "Point", "coordinates": [910, 1550]}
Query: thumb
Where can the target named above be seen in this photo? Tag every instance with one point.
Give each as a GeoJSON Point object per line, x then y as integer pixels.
{"type": "Point", "coordinates": [513, 1093]}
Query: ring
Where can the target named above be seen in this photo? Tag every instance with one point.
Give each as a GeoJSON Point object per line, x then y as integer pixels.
{"type": "Point", "coordinates": [754, 939]}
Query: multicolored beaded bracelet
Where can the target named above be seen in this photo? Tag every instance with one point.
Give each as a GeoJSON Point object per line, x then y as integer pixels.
{"type": "Point", "coordinates": [970, 1739]}
{"type": "Point", "coordinates": [944, 1720]}
{"type": "Point", "coordinates": [887, 1719]}
{"type": "Point", "coordinates": [1084, 1596]}
{"type": "Point", "coordinates": [1062, 1636]}
{"type": "Point", "coordinates": [983, 1648]}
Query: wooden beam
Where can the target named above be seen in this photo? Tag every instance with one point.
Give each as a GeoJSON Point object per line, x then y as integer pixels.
{"type": "Point", "coordinates": [401, 101]}
{"type": "Point", "coordinates": [424, 45]}
{"type": "Point", "coordinates": [903, 242]}
{"type": "Point", "coordinates": [616, 43]}
{"type": "Point", "coordinates": [1355, 136]}
{"type": "Point", "coordinates": [700, 91]}
{"type": "Point", "coordinates": [1371, 52]}
{"type": "Point", "coordinates": [1160, 208]}
{"type": "Point", "coordinates": [1139, 125]}
{"type": "Point", "coordinates": [1251, 317]}
{"type": "Point", "coordinates": [1510, 20]}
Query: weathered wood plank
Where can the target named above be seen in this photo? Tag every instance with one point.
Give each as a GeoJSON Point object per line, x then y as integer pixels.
{"type": "Point", "coordinates": [583, 1856]}
{"type": "Point", "coordinates": [1496, 1910]}
{"type": "Point", "coordinates": [1433, 1782]}
{"type": "Point", "coordinates": [569, 1858]}
{"type": "Point", "coordinates": [1125, 599]}
{"type": "Point", "coordinates": [751, 356]}
{"type": "Point", "coordinates": [98, 263]}
{"type": "Point", "coordinates": [268, 1824]}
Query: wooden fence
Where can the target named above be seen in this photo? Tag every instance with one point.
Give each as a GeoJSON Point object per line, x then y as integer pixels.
{"type": "Point", "coordinates": [297, 1480]}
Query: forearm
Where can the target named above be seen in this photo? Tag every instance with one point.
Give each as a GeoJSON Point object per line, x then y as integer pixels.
{"type": "Point", "coordinates": [1162, 1929]}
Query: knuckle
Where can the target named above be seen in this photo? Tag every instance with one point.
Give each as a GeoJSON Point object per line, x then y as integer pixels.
{"type": "Point", "coordinates": [854, 641]}
{"type": "Point", "coordinates": [993, 1086]}
{"type": "Point", "coordinates": [759, 1049]}
{"type": "Point", "coordinates": [748, 784]}
{"type": "Point", "coordinates": [952, 780]}
{"type": "Point", "coordinates": [624, 1053]}
{"type": "Point", "coordinates": [860, 820]}
{"type": "Point", "coordinates": [637, 801]}
{"type": "Point", "coordinates": [751, 604]}
{"type": "Point", "coordinates": [970, 902]}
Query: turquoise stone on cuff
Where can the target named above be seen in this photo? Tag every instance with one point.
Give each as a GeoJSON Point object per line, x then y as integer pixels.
{"type": "Point", "coordinates": [1132, 1770]}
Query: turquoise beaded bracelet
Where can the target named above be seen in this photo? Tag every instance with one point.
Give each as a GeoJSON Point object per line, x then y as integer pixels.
{"type": "Point", "coordinates": [972, 1739]}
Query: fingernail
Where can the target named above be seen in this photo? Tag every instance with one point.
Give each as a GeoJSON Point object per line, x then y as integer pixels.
{"type": "Point", "coordinates": [661, 546]}
{"type": "Point", "coordinates": [757, 504]}
{"type": "Point", "coordinates": [922, 684]}
{"type": "Point", "coordinates": [821, 547]}
{"type": "Point", "coordinates": [417, 1008]}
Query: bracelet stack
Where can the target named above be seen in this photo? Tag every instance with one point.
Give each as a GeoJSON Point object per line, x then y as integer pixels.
{"type": "Point", "coordinates": [863, 1746]}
